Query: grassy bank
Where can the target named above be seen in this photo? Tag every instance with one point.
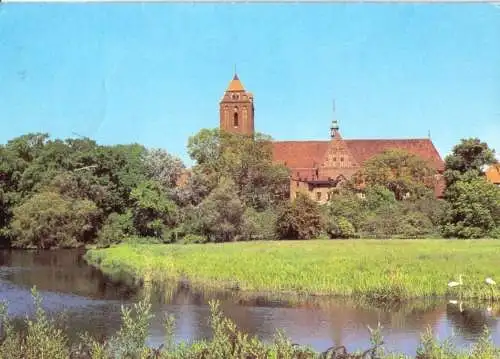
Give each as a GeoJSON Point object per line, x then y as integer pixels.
{"type": "Point", "coordinates": [395, 269]}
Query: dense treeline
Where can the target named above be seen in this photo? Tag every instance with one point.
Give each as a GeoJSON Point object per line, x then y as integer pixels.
{"type": "Point", "coordinates": [66, 193]}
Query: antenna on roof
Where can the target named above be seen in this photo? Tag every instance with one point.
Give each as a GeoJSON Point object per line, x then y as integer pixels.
{"type": "Point", "coordinates": [429, 134]}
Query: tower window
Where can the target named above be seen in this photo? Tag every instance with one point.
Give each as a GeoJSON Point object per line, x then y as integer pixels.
{"type": "Point", "coordinates": [235, 120]}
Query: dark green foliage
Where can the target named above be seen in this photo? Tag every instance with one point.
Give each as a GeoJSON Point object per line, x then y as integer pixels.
{"type": "Point", "coordinates": [247, 161]}
{"type": "Point", "coordinates": [153, 211]}
{"type": "Point", "coordinates": [378, 214]}
{"type": "Point", "coordinates": [474, 204]}
{"type": "Point", "coordinates": [339, 227]}
{"type": "Point", "coordinates": [300, 219]}
{"type": "Point", "coordinates": [402, 173]}
{"type": "Point", "coordinates": [474, 209]}
{"type": "Point", "coordinates": [469, 156]}
{"type": "Point", "coordinates": [347, 205]}
{"type": "Point", "coordinates": [116, 228]}
{"type": "Point", "coordinates": [219, 217]}
{"type": "Point", "coordinates": [49, 220]}
{"type": "Point", "coordinates": [258, 225]}
{"type": "Point", "coordinates": [72, 192]}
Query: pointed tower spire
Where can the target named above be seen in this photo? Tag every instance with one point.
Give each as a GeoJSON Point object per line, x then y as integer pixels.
{"type": "Point", "coordinates": [334, 128]}
{"type": "Point", "coordinates": [235, 84]}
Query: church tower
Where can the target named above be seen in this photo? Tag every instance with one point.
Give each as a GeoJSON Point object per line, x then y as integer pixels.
{"type": "Point", "coordinates": [236, 109]}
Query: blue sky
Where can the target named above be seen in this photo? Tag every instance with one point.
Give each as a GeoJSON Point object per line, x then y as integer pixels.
{"type": "Point", "coordinates": [154, 73]}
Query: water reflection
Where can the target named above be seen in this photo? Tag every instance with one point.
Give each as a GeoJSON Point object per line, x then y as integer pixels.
{"type": "Point", "coordinates": [92, 303]}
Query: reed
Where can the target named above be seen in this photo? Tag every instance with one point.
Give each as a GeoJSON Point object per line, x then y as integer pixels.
{"type": "Point", "coordinates": [375, 269]}
{"type": "Point", "coordinates": [43, 339]}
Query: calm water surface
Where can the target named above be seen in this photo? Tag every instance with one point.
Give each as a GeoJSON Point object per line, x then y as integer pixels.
{"type": "Point", "coordinates": [91, 302]}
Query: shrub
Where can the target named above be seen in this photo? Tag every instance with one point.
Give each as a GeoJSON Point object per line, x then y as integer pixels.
{"type": "Point", "coordinates": [495, 233]}
{"type": "Point", "coordinates": [219, 216]}
{"type": "Point", "coordinates": [258, 225]}
{"type": "Point", "coordinates": [300, 219]}
{"type": "Point", "coordinates": [349, 206]}
{"type": "Point", "coordinates": [339, 227]}
{"type": "Point", "coordinates": [116, 228]}
{"type": "Point", "coordinates": [415, 225]}
{"type": "Point", "coordinates": [49, 220]}
{"type": "Point", "coordinates": [194, 238]}
{"type": "Point", "coordinates": [382, 223]}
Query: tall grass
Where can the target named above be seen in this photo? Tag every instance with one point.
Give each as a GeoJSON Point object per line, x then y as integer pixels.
{"type": "Point", "coordinates": [43, 340]}
{"type": "Point", "coordinates": [380, 270]}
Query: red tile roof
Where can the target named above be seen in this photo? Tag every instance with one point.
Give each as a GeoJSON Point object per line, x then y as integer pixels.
{"type": "Point", "coordinates": [309, 154]}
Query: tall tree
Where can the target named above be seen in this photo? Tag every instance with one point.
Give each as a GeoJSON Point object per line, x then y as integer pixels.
{"type": "Point", "coordinates": [474, 209]}
{"type": "Point", "coordinates": [219, 217]}
{"type": "Point", "coordinates": [163, 167]}
{"type": "Point", "coordinates": [246, 160]}
{"type": "Point", "coordinates": [467, 160]}
{"type": "Point", "coordinates": [153, 211]}
{"type": "Point", "coordinates": [401, 172]}
{"type": "Point", "coordinates": [300, 219]}
{"type": "Point", "coordinates": [474, 204]}
{"type": "Point", "coordinates": [48, 220]}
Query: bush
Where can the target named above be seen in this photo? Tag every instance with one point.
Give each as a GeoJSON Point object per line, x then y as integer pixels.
{"type": "Point", "coordinates": [194, 238]}
{"type": "Point", "coordinates": [258, 225]}
{"type": "Point", "coordinates": [349, 206]}
{"type": "Point", "coordinates": [116, 228]}
{"type": "Point", "coordinates": [219, 216]}
{"type": "Point", "coordinates": [415, 225]}
{"type": "Point", "coordinates": [300, 219]}
{"type": "Point", "coordinates": [495, 233]}
{"type": "Point", "coordinates": [339, 227]}
{"type": "Point", "coordinates": [49, 220]}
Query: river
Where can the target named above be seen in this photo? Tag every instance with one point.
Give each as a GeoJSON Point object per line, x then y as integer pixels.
{"type": "Point", "coordinates": [91, 303]}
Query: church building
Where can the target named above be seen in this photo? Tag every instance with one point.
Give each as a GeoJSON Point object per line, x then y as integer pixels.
{"type": "Point", "coordinates": [319, 166]}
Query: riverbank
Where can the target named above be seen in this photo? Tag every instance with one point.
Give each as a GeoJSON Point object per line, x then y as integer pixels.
{"type": "Point", "coordinates": [44, 338]}
{"type": "Point", "coordinates": [384, 270]}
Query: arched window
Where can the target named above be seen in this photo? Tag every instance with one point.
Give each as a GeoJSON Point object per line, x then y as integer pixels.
{"type": "Point", "coordinates": [235, 120]}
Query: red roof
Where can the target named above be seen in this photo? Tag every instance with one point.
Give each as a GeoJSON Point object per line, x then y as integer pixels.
{"type": "Point", "coordinates": [309, 154]}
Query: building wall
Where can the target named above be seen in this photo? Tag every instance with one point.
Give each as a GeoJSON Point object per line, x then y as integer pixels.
{"type": "Point", "coordinates": [318, 194]}
{"type": "Point", "coordinates": [493, 174]}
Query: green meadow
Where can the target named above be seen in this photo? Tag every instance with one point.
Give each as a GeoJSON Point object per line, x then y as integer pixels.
{"type": "Point", "coordinates": [376, 269]}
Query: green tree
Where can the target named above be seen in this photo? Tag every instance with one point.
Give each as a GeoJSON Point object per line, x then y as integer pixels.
{"type": "Point", "coordinates": [219, 216]}
{"type": "Point", "coordinates": [258, 225]}
{"type": "Point", "coordinates": [163, 167]}
{"type": "Point", "coordinates": [116, 228]}
{"type": "Point", "coordinates": [348, 205]}
{"type": "Point", "coordinates": [474, 209]}
{"type": "Point", "coordinates": [153, 211]}
{"type": "Point", "coordinates": [300, 219]}
{"type": "Point", "coordinates": [247, 161]}
{"type": "Point", "coordinates": [339, 227]}
{"type": "Point", "coordinates": [468, 158]}
{"type": "Point", "coordinates": [48, 220]}
{"type": "Point", "coordinates": [399, 171]}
